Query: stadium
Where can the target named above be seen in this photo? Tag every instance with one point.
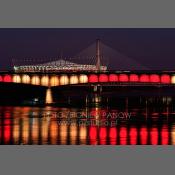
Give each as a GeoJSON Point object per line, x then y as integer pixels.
{"type": "Point", "coordinates": [57, 66]}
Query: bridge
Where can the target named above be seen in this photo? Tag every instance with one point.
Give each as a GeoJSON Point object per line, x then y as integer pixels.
{"type": "Point", "coordinates": [93, 80]}
{"type": "Point", "coordinates": [128, 78]}
{"type": "Point", "coordinates": [95, 76]}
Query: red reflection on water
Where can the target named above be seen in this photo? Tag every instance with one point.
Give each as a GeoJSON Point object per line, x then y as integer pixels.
{"type": "Point", "coordinates": [133, 136]}
{"type": "Point", "coordinates": [123, 78]}
{"type": "Point", "coordinates": [6, 122]}
{"type": "Point", "coordinates": [164, 136]}
{"type": "Point", "coordinates": [103, 113]}
{"type": "Point", "coordinates": [113, 136]}
{"type": "Point", "coordinates": [103, 78]}
{"type": "Point", "coordinates": [93, 78]}
{"type": "Point", "coordinates": [113, 78]}
{"type": "Point", "coordinates": [154, 136]}
{"type": "Point", "coordinates": [6, 118]}
{"type": "Point", "coordinates": [143, 135]}
{"type": "Point", "coordinates": [94, 112]}
{"type": "Point", "coordinates": [7, 115]}
{"type": "Point", "coordinates": [103, 135]}
{"type": "Point", "coordinates": [93, 135]}
{"type": "Point", "coordinates": [123, 136]}
{"type": "Point", "coordinates": [7, 131]}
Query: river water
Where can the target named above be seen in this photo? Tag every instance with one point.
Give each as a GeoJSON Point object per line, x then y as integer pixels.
{"type": "Point", "coordinates": [147, 121]}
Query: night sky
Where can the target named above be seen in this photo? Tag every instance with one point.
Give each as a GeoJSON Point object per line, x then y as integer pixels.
{"type": "Point", "coordinates": [153, 48]}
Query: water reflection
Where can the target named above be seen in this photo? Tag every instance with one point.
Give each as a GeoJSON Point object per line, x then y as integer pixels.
{"type": "Point", "coordinates": [147, 124]}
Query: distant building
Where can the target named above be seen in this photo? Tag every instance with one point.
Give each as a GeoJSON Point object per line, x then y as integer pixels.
{"type": "Point", "coordinates": [57, 66]}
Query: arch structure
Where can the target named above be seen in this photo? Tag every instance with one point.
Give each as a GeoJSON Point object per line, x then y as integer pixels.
{"type": "Point", "coordinates": [51, 80]}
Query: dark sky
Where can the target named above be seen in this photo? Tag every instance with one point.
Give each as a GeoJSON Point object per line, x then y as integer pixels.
{"type": "Point", "coordinates": [153, 48]}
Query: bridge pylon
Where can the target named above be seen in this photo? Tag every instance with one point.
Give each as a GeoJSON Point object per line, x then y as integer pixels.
{"type": "Point", "coordinates": [98, 55]}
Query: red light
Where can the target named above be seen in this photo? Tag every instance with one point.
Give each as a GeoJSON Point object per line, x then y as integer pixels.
{"type": "Point", "coordinates": [93, 78]}
{"type": "Point", "coordinates": [93, 135]}
{"type": "Point", "coordinates": [113, 78]}
{"type": "Point", "coordinates": [154, 78]}
{"type": "Point", "coordinates": [7, 122]}
{"type": "Point", "coordinates": [113, 136]}
{"type": "Point", "coordinates": [143, 135]}
{"type": "Point", "coordinates": [133, 136]}
{"type": "Point", "coordinates": [103, 135]}
{"type": "Point", "coordinates": [1, 79]}
{"type": "Point", "coordinates": [164, 135]}
{"type": "Point", "coordinates": [123, 136]}
{"type": "Point", "coordinates": [123, 78]}
{"type": "Point", "coordinates": [165, 78]}
{"type": "Point", "coordinates": [7, 131]}
{"type": "Point", "coordinates": [154, 136]}
{"type": "Point", "coordinates": [7, 78]}
{"type": "Point", "coordinates": [133, 78]}
{"type": "Point", "coordinates": [7, 115]}
{"type": "Point", "coordinates": [144, 78]}
{"type": "Point", "coordinates": [103, 78]}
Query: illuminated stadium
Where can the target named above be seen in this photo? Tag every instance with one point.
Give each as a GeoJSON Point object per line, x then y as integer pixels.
{"type": "Point", "coordinates": [57, 66]}
{"type": "Point", "coordinates": [95, 57]}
